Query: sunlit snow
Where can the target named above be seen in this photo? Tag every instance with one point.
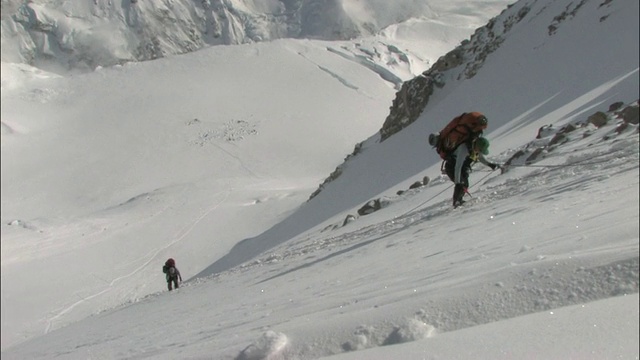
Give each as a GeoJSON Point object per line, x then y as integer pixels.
{"type": "Point", "coordinates": [211, 157]}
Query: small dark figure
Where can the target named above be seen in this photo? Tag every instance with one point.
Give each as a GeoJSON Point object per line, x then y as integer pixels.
{"type": "Point", "coordinates": [458, 165]}
{"type": "Point", "coordinates": [173, 274]}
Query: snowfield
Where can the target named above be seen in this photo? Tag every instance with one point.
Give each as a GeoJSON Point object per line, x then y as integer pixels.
{"type": "Point", "coordinates": [211, 158]}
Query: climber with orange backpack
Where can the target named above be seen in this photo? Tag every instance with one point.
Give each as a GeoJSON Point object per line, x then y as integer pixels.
{"type": "Point", "coordinates": [460, 144]}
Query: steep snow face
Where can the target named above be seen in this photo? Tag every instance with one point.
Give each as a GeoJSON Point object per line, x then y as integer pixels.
{"type": "Point", "coordinates": [539, 39]}
{"type": "Point", "coordinates": [59, 35]}
{"type": "Point", "coordinates": [107, 174]}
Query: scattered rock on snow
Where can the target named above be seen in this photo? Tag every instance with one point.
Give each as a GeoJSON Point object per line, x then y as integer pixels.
{"type": "Point", "coordinates": [598, 119]}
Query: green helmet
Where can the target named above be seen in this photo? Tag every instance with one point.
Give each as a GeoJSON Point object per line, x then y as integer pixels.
{"type": "Point", "coordinates": [482, 144]}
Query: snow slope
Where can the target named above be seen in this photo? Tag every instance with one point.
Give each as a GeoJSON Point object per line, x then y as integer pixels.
{"type": "Point", "coordinates": [205, 159]}
{"type": "Point", "coordinates": [533, 239]}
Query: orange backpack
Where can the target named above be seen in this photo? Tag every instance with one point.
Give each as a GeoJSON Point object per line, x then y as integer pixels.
{"type": "Point", "coordinates": [463, 128]}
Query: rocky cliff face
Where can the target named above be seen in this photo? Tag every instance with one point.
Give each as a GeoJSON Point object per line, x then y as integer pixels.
{"type": "Point", "coordinates": [462, 62]}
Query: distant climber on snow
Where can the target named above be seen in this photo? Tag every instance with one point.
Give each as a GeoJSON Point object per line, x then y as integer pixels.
{"type": "Point", "coordinates": [460, 144]}
{"type": "Point", "coordinates": [173, 274]}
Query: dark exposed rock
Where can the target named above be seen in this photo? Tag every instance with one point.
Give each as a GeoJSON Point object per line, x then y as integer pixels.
{"type": "Point", "coordinates": [534, 156]}
{"type": "Point", "coordinates": [514, 157]}
{"type": "Point", "coordinates": [408, 105]}
{"type": "Point", "coordinates": [615, 106]}
{"type": "Point", "coordinates": [630, 114]}
{"type": "Point", "coordinates": [337, 172]}
{"type": "Point", "coordinates": [370, 207]}
{"type": "Point", "coordinates": [558, 139]}
{"type": "Point", "coordinates": [416, 185]}
{"type": "Point", "coordinates": [348, 219]}
{"type": "Point", "coordinates": [598, 119]}
{"type": "Point", "coordinates": [622, 127]}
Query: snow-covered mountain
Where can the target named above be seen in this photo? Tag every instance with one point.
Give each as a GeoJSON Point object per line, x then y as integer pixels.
{"type": "Point", "coordinates": [80, 35]}
{"type": "Point", "coordinates": [211, 158]}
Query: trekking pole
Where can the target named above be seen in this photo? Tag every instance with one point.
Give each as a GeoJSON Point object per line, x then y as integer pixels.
{"type": "Point", "coordinates": [484, 177]}
{"type": "Point", "coordinates": [426, 201]}
{"type": "Point", "coordinates": [577, 163]}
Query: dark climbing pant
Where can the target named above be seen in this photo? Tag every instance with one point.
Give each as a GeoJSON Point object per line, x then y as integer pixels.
{"type": "Point", "coordinates": [173, 281]}
{"type": "Point", "coordinates": [450, 169]}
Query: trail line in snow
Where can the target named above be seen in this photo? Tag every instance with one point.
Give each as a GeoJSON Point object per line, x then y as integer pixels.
{"type": "Point", "coordinates": [185, 231]}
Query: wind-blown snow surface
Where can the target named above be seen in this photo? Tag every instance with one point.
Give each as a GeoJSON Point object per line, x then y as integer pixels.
{"type": "Point", "coordinates": [561, 231]}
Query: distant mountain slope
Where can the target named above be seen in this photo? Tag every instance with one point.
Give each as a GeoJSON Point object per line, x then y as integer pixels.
{"type": "Point", "coordinates": [87, 34]}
